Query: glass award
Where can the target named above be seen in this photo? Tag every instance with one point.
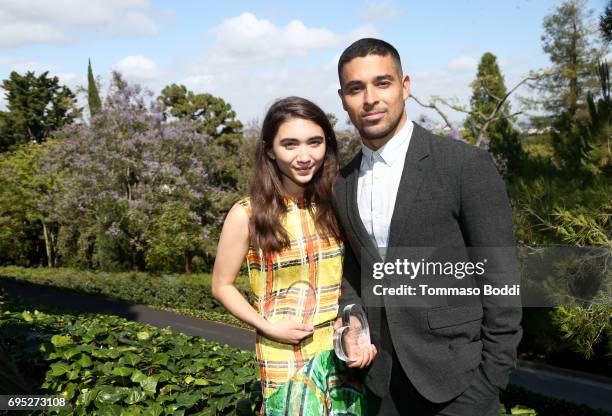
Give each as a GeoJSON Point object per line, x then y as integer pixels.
{"type": "Point", "coordinates": [354, 334]}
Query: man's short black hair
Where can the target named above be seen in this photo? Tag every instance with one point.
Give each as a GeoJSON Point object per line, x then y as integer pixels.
{"type": "Point", "coordinates": [368, 46]}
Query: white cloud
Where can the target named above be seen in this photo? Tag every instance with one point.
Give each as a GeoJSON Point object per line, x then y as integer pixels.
{"type": "Point", "coordinates": [462, 64]}
{"type": "Point", "coordinates": [19, 33]}
{"type": "Point", "coordinates": [24, 22]}
{"type": "Point", "coordinates": [246, 38]}
{"type": "Point", "coordinates": [379, 11]}
{"type": "Point", "coordinates": [254, 61]}
{"type": "Point", "coordinates": [24, 66]}
{"type": "Point", "coordinates": [137, 67]}
{"type": "Point", "coordinates": [365, 31]}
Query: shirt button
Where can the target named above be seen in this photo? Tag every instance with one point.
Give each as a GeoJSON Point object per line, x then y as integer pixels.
{"type": "Point", "coordinates": [378, 216]}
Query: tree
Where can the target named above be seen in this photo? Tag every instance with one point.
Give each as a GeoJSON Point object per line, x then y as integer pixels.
{"type": "Point", "coordinates": [216, 118]}
{"type": "Point", "coordinates": [568, 42]}
{"type": "Point", "coordinates": [605, 23]}
{"type": "Point", "coordinates": [27, 234]}
{"type": "Point", "coordinates": [487, 90]}
{"type": "Point", "coordinates": [120, 181]}
{"type": "Point", "coordinates": [93, 97]}
{"type": "Point", "coordinates": [37, 106]}
{"type": "Point", "coordinates": [212, 114]}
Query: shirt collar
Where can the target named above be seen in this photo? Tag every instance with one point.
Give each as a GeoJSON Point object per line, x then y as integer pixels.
{"type": "Point", "coordinates": [394, 148]}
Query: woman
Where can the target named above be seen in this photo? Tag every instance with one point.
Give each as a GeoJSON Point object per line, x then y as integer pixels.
{"type": "Point", "coordinates": [287, 231]}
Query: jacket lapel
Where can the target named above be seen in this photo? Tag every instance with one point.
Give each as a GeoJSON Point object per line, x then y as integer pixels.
{"type": "Point", "coordinates": [412, 178]}
{"type": "Point", "coordinates": [353, 211]}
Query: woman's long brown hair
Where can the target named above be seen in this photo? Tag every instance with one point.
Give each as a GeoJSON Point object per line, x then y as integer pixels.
{"type": "Point", "coordinates": [267, 197]}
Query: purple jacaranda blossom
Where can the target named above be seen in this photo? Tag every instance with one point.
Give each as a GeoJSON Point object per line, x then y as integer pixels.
{"type": "Point", "coordinates": [128, 174]}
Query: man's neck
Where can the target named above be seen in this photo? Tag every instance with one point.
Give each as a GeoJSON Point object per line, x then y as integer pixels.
{"type": "Point", "coordinates": [376, 144]}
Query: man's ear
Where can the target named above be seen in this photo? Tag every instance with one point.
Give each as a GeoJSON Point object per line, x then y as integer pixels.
{"type": "Point", "coordinates": [406, 87]}
{"type": "Point", "coordinates": [341, 98]}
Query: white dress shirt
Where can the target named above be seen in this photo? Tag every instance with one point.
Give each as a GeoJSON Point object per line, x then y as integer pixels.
{"type": "Point", "coordinates": [379, 177]}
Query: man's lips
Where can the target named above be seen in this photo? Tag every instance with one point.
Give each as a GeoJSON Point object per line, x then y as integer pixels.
{"type": "Point", "coordinates": [373, 115]}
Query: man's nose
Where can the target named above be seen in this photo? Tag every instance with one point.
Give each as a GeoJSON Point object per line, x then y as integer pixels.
{"type": "Point", "coordinates": [371, 96]}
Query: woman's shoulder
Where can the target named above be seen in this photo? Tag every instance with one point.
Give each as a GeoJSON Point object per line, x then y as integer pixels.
{"type": "Point", "coordinates": [245, 202]}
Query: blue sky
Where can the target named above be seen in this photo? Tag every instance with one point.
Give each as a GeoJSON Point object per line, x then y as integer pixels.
{"type": "Point", "coordinates": [250, 53]}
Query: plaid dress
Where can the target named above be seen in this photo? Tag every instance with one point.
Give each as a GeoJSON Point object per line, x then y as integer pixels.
{"type": "Point", "coordinates": [302, 283]}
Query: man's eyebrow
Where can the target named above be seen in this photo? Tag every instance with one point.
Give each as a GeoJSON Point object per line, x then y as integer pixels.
{"type": "Point", "coordinates": [356, 83]}
{"type": "Point", "coordinates": [353, 83]}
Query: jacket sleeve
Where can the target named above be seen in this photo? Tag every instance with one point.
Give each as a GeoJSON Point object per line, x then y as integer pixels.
{"type": "Point", "coordinates": [486, 223]}
{"type": "Point", "coordinates": [350, 292]}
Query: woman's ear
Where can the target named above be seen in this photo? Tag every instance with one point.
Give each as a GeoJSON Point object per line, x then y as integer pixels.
{"type": "Point", "coordinates": [271, 155]}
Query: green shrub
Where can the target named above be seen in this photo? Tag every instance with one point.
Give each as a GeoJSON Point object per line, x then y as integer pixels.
{"type": "Point", "coordinates": [108, 365]}
{"type": "Point", "coordinates": [189, 294]}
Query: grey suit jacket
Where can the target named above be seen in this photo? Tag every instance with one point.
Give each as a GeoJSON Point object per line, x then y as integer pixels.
{"type": "Point", "coordinates": [449, 193]}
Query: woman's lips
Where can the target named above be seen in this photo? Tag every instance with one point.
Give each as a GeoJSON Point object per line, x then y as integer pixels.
{"type": "Point", "coordinates": [303, 171]}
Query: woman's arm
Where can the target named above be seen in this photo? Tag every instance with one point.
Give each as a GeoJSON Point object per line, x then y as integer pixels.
{"type": "Point", "coordinates": [231, 251]}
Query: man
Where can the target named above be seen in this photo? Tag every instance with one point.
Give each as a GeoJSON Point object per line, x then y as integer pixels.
{"type": "Point", "coordinates": [410, 188]}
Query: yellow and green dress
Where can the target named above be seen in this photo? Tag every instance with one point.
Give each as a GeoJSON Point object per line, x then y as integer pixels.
{"type": "Point", "coordinates": [302, 283]}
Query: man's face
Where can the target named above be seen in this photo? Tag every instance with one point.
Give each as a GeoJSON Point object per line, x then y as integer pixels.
{"type": "Point", "coordinates": [373, 92]}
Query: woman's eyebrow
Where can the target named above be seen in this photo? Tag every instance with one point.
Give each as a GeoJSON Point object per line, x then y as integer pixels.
{"type": "Point", "coordinates": [297, 140]}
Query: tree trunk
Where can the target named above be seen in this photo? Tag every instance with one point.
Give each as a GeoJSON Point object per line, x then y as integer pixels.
{"type": "Point", "coordinates": [48, 245]}
{"type": "Point", "coordinates": [187, 262]}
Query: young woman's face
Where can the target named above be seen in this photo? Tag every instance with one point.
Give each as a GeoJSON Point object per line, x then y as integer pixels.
{"type": "Point", "coordinates": [299, 151]}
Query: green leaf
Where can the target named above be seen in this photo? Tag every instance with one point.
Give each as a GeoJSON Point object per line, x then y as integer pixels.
{"type": "Point", "coordinates": [57, 369]}
{"type": "Point", "coordinates": [130, 359]}
{"type": "Point", "coordinates": [143, 335]}
{"type": "Point", "coordinates": [122, 371]}
{"type": "Point", "coordinates": [108, 395]}
{"type": "Point", "coordinates": [135, 395]}
{"type": "Point", "coordinates": [110, 410]}
{"type": "Point", "coordinates": [138, 376]}
{"type": "Point", "coordinates": [161, 359]}
{"type": "Point", "coordinates": [201, 382]}
{"type": "Point", "coordinates": [153, 409]}
{"type": "Point", "coordinates": [188, 399]}
{"type": "Point", "coordinates": [85, 361]}
{"type": "Point", "coordinates": [27, 316]}
{"type": "Point", "coordinates": [68, 354]}
{"type": "Point", "coordinates": [61, 340]}
{"type": "Point", "coordinates": [149, 384]}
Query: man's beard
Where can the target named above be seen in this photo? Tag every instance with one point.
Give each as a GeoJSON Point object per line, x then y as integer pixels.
{"type": "Point", "coordinates": [383, 134]}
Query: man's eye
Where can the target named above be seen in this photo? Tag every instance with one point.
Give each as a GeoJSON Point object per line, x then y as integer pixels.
{"type": "Point", "coordinates": [384, 84]}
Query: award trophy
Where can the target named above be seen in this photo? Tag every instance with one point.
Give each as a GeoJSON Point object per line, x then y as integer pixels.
{"type": "Point", "coordinates": [353, 335]}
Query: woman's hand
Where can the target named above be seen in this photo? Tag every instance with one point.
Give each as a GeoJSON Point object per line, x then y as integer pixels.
{"type": "Point", "coordinates": [287, 331]}
{"type": "Point", "coordinates": [362, 355]}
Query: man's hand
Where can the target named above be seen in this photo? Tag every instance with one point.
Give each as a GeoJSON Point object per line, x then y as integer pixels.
{"type": "Point", "coordinates": [288, 331]}
{"type": "Point", "coordinates": [360, 355]}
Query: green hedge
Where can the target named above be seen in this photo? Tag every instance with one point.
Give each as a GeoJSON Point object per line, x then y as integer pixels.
{"type": "Point", "coordinates": [546, 406]}
{"type": "Point", "coordinates": [189, 294]}
{"type": "Point", "coordinates": [109, 366]}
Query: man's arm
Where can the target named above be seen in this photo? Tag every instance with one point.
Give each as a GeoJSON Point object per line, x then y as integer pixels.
{"type": "Point", "coordinates": [486, 223]}
{"type": "Point", "coordinates": [351, 280]}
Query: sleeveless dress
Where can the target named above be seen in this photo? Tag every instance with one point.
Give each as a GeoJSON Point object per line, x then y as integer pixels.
{"type": "Point", "coordinates": [302, 283]}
